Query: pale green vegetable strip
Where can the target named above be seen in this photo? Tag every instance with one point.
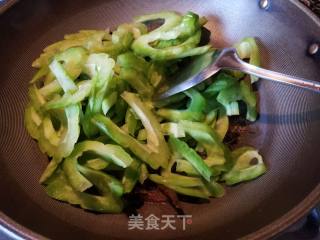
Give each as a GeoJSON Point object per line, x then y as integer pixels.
{"type": "Point", "coordinates": [91, 110]}
{"type": "Point", "coordinates": [62, 77]}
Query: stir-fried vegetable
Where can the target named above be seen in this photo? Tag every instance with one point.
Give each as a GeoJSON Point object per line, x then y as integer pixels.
{"type": "Point", "coordinates": [91, 112]}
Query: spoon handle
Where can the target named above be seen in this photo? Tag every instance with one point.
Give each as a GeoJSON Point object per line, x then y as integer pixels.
{"type": "Point", "coordinates": [231, 60]}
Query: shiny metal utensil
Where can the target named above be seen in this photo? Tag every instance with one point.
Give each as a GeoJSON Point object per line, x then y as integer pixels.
{"type": "Point", "coordinates": [206, 65]}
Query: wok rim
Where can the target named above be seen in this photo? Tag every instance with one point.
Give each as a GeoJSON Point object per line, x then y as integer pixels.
{"type": "Point", "coordinates": [17, 231]}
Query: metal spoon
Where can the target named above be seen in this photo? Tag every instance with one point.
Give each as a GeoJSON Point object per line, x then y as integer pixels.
{"type": "Point", "coordinates": [206, 65]}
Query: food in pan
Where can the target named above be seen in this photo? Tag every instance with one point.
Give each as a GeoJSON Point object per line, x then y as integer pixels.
{"type": "Point", "coordinates": [91, 111]}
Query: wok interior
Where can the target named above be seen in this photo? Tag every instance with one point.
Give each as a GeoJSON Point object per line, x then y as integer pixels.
{"type": "Point", "coordinates": [286, 132]}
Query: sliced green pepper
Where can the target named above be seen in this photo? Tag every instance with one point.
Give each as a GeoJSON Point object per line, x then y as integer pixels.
{"type": "Point", "coordinates": [247, 48]}
{"type": "Point", "coordinates": [91, 40]}
{"type": "Point", "coordinates": [84, 88]}
{"type": "Point", "coordinates": [176, 179]}
{"type": "Point", "coordinates": [244, 169]}
{"type": "Point", "coordinates": [156, 147]}
{"type": "Point", "coordinates": [228, 97]}
{"type": "Point", "coordinates": [97, 164]}
{"type": "Point", "coordinates": [174, 27]}
{"type": "Point", "coordinates": [79, 82]}
{"type": "Point", "coordinates": [100, 68]}
{"type": "Point", "coordinates": [137, 81]}
{"type": "Point", "coordinates": [104, 182]}
{"type": "Point", "coordinates": [194, 192]}
{"type": "Point", "coordinates": [189, 154]}
{"type": "Point", "coordinates": [32, 121]}
{"type": "Point", "coordinates": [221, 126]}
{"type": "Point", "coordinates": [195, 111]}
{"type": "Point", "coordinates": [50, 89]}
{"type": "Point", "coordinates": [219, 82]}
{"type": "Point", "coordinates": [108, 152]}
{"type": "Point", "coordinates": [109, 101]}
{"type": "Point", "coordinates": [73, 60]}
{"type": "Point", "coordinates": [155, 139]}
{"type": "Point", "coordinates": [66, 136]}
{"type": "Point", "coordinates": [144, 174]}
{"type": "Point", "coordinates": [62, 77]}
{"type": "Point", "coordinates": [120, 108]}
{"type": "Point", "coordinates": [168, 128]}
{"type": "Point", "coordinates": [185, 167]}
{"type": "Point", "coordinates": [60, 189]}
{"type": "Point", "coordinates": [123, 37]}
{"type": "Point", "coordinates": [59, 144]}
{"type": "Point", "coordinates": [130, 60]}
{"type": "Point", "coordinates": [191, 186]}
{"type": "Point", "coordinates": [131, 176]}
{"type": "Point", "coordinates": [42, 72]}
{"type": "Point", "coordinates": [249, 97]}
{"type": "Point", "coordinates": [131, 123]}
{"type": "Point", "coordinates": [208, 139]}
{"type": "Point", "coordinates": [171, 19]}
{"type": "Point", "coordinates": [122, 138]}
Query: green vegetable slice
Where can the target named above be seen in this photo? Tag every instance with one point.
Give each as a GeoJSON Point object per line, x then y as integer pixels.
{"type": "Point", "coordinates": [60, 189]}
{"type": "Point", "coordinates": [244, 169]}
{"type": "Point", "coordinates": [155, 152]}
{"type": "Point", "coordinates": [62, 77]}
{"type": "Point", "coordinates": [155, 139]}
{"type": "Point", "coordinates": [107, 152]}
{"type": "Point", "coordinates": [67, 99]}
{"type": "Point", "coordinates": [100, 67]}
{"type": "Point", "coordinates": [185, 27]}
{"type": "Point", "coordinates": [91, 112]}
{"type": "Point", "coordinates": [195, 111]}
{"type": "Point", "coordinates": [189, 154]}
{"type": "Point", "coordinates": [247, 48]}
{"type": "Point", "coordinates": [131, 176]}
{"type": "Point", "coordinates": [168, 128]}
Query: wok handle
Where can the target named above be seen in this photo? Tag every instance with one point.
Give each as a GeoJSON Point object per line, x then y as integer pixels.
{"type": "Point", "coordinates": [307, 228]}
{"type": "Point", "coordinates": [313, 221]}
{"type": "Point", "coordinates": [231, 60]}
